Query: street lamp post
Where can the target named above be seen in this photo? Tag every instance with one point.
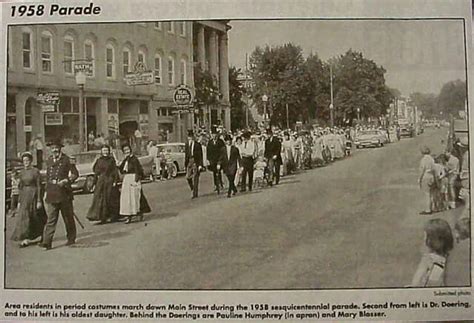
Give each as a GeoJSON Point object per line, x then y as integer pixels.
{"type": "Point", "coordinates": [358, 115]}
{"type": "Point", "coordinates": [265, 99]}
{"type": "Point", "coordinates": [81, 81]}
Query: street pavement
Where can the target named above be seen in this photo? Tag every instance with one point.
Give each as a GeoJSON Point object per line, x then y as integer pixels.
{"type": "Point", "coordinates": [352, 224]}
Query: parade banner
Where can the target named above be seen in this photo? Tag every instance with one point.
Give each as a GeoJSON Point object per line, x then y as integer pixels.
{"type": "Point", "coordinates": [335, 188]}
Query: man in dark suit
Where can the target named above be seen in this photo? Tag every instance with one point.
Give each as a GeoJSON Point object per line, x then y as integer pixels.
{"type": "Point", "coordinates": [214, 147]}
{"type": "Point", "coordinates": [193, 161]}
{"type": "Point", "coordinates": [61, 173]}
{"type": "Point", "coordinates": [273, 156]}
{"type": "Point", "coordinates": [229, 161]}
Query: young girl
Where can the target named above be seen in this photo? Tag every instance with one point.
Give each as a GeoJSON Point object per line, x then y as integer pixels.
{"type": "Point", "coordinates": [15, 193]}
{"type": "Point", "coordinates": [259, 172]}
{"type": "Point", "coordinates": [439, 241]}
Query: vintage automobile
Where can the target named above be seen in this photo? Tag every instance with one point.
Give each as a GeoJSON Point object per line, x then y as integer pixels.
{"type": "Point", "coordinates": [370, 138]}
{"type": "Point", "coordinates": [174, 154]}
{"type": "Point", "coordinates": [85, 161]}
{"type": "Point", "coordinates": [406, 130]}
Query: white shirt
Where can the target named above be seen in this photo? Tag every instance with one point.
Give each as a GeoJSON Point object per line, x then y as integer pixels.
{"type": "Point", "coordinates": [228, 151]}
{"type": "Point", "coordinates": [247, 149]}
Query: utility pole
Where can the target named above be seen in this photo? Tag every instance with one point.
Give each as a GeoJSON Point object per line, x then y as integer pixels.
{"type": "Point", "coordinates": [287, 118]}
{"type": "Point", "coordinates": [246, 94]}
{"type": "Point", "coordinates": [331, 106]}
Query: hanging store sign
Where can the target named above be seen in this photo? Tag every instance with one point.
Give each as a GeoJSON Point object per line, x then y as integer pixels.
{"type": "Point", "coordinates": [49, 101]}
{"type": "Point", "coordinates": [113, 122]}
{"type": "Point", "coordinates": [140, 76]}
{"type": "Point", "coordinates": [84, 66]}
{"type": "Point", "coordinates": [183, 97]}
{"type": "Point", "coordinates": [53, 119]}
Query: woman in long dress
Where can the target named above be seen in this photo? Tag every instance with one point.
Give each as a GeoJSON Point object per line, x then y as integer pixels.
{"type": "Point", "coordinates": [132, 200]}
{"type": "Point", "coordinates": [31, 216]}
{"type": "Point", "coordinates": [426, 179]}
{"type": "Point", "coordinates": [287, 154]}
{"type": "Point", "coordinates": [105, 204]}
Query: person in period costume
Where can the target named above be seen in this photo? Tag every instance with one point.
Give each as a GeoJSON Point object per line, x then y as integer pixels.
{"type": "Point", "coordinates": [193, 161]}
{"type": "Point", "coordinates": [106, 201]}
{"type": "Point", "coordinates": [38, 148]}
{"type": "Point", "coordinates": [31, 216]}
{"type": "Point", "coordinates": [248, 152]}
{"type": "Point", "coordinates": [61, 173]}
{"type": "Point", "coordinates": [214, 147]}
{"type": "Point", "coordinates": [427, 179]}
{"type": "Point", "coordinates": [229, 162]}
{"type": "Point", "coordinates": [452, 167]}
{"type": "Point", "coordinates": [287, 154]}
{"type": "Point", "coordinates": [132, 200]}
{"type": "Point", "coordinates": [273, 156]}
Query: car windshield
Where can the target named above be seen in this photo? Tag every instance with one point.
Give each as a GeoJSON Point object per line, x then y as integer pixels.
{"type": "Point", "coordinates": [85, 158]}
{"type": "Point", "coordinates": [171, 148]}
{"type": "Point", "coordinates": [370, 132]}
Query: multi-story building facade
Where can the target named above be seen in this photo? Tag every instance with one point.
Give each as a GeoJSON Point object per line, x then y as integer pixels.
{"type": "Point", "coordinates": [41, 58]}
{"type": "Point", "coordinates": [211, 54]}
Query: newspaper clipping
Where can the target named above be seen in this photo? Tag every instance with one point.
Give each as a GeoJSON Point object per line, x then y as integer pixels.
{"type": "Point", "coordinates": [236, 161]}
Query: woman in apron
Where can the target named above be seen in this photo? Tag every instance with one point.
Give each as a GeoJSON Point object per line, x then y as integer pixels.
{"type": "Point", "coordinates": [132, 200]}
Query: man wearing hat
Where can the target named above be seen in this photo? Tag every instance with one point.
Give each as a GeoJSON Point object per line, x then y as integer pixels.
{"type": "Point", "coordinates": [273, 155]}
{"type": "Point", "coordinates": [214, 147]}
{"type": "Point", "coordinates": [193, 162]}
{"type": "Point", "coordinates": [229, 161]}
{"type": "Point", "coordinates": [248, 151]}
{"type": "Point", "coordinates": [61, 173]}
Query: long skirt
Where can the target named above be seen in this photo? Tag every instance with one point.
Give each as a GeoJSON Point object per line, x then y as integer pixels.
{"type": "Point", "coordinates": [30, 220]}
{"type": "Point", "coordinates": [105, 203]}
{"type": "Point", "coordinates": [132, 199]}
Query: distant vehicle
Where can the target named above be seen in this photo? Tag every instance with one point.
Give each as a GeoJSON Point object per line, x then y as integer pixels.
{"type": "Point", "coordinates": [406, 129]}
{"type": "Point", "coordinates": [370, 138]}
{"type": "Point", "coordinates": [174, 153]}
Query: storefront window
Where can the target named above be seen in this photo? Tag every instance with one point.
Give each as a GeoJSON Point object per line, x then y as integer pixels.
{"type": "Point", "coordinates": [143, 107]}
{"type": "Point", "coordinates": [112, 105]}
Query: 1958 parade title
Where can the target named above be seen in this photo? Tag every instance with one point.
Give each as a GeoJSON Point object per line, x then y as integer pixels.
{"type": "Point", "coordinates": [30, 10]}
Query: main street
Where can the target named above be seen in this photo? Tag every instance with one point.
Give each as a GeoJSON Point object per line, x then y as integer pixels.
{"type": "Point", "coordinates": [352, 224]}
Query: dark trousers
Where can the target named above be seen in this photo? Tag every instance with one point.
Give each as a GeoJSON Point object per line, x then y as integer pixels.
{"type": "Point", "coordinates": [67, 212]}
{"type": "Point", "coordinates": [192, 175]}
{"type": "Point", "coordinates": [217, 175]}
{"type": "Point", "coordinates": [231, 180]}
{"type": "Point", "coordinates": [39, 159]}
{"type": "Point", "coordinates": [247, 164]}
{"type": "Point", "coordinates": [274, 170]}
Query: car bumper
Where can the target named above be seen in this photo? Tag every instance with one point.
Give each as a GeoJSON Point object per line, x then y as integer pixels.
{"type": "Point", "coordinates": [78, 184]}
{"type": "Point", "coordinates": [367, 143]}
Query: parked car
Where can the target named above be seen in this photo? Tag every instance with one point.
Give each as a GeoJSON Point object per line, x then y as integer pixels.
{"type": "Point", "coordinates": [85, 161]}
{"type": "Point", "coordinates": [174, 153]}
{"type": "Point", "coordinates": [370, 138]}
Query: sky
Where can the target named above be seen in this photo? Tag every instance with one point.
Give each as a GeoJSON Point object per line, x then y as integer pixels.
{"type": "Point", "coordinates": [419, 55]}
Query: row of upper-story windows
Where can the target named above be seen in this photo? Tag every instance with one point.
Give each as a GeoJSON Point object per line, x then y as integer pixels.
{"type": "Point", "coordinates": [170, 26]}
{"type": "Point", "coordinates": [47, 58]}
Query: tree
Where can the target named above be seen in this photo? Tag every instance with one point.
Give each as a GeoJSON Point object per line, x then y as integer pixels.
{"type": "Point", "coordinates": [359, 83]}
{"type": "Point", "coordinates": [426, 102]}
{"type": "Point", "coordinates": [207, 92]}
{"type": "Point", "coordinates": [452, 97]}
{"type": "Point", "coordinates": [278, 73]}
{"type": "Point", "coordinates": [236, 92]}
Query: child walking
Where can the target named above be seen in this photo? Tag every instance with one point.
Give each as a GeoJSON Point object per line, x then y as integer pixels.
{"type": "Point", "coordinates": [439, 241]}
{"type": "Point", "coordinates": [259, 172]}
{"type": "Point", "coordinates": [15, 193]}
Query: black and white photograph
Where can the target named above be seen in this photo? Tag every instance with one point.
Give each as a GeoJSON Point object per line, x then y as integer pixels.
{"type": "Point", "coordinates": [245, 154]}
